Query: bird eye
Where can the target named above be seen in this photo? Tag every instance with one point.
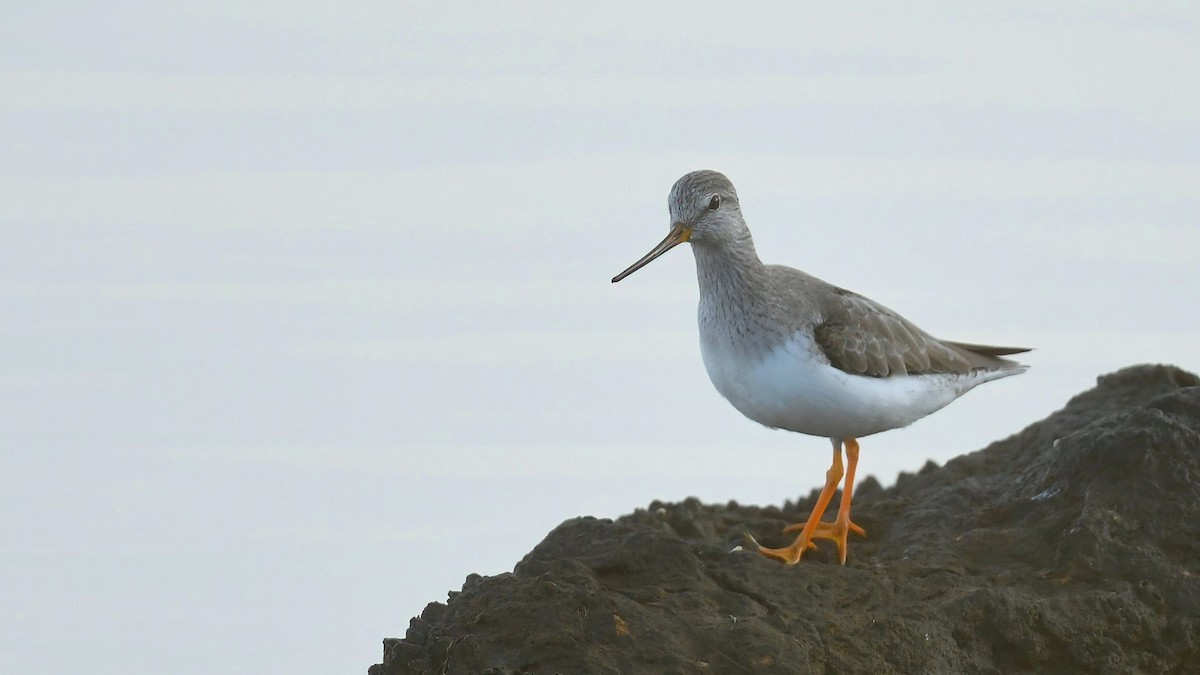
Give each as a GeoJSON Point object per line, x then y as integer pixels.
{"type": "Point", "coordinates": [714, 202]}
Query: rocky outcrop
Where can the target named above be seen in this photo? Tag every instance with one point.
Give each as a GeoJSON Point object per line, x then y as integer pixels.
{"type": "Point", "coordinates": [1073, 546]}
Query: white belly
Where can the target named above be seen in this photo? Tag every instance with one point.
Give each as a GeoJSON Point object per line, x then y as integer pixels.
{"type": "Point", "coordinates": [790, 387]}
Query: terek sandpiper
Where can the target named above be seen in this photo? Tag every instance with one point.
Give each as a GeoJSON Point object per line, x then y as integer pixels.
{"type": "Point", "coordinates": [793, 352]}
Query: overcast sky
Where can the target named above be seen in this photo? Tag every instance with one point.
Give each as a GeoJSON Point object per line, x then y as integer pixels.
{"type": "Point", "coordinates": [307, 306]}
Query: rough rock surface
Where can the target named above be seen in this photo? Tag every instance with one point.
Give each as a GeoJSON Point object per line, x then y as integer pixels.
{"type": "Point", "coordinates": [1073, 546]}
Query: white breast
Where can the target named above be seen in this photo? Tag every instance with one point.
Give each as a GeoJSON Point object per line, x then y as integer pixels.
{"type": "Point", "coordinates": [792, 387]}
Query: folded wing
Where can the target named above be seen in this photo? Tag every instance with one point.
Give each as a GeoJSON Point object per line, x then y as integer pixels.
{"type": "Point", "coordinates": [862, 337]}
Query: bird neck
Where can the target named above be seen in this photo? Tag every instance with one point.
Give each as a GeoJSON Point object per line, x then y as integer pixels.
{"type": "Point", "coordinates": [735, 306]}
{"type": "Point", "coordinates": [730, 268]}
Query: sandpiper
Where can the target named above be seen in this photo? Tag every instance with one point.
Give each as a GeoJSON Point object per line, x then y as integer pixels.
{"type": "Point", "coordinates": [791, 351]}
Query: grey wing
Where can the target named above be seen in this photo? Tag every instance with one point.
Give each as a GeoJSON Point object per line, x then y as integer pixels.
{"type": "Point", "coordinates": [862, 337]}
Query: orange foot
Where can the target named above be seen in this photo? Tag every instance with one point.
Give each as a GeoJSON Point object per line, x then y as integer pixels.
{"type": "Point", "coordinates": [789, 555]}
{"type": "Point", "coordinates": [838, 531]}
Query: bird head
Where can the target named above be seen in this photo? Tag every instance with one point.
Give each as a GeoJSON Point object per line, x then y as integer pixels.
{"type": "Point", "coordinates": [704, 211]}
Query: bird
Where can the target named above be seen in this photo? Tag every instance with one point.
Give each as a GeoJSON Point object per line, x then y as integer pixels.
{"type": "Point", "coordinates": [793, 352]}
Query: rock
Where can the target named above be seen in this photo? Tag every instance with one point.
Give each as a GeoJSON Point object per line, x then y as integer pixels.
{"type": "Point", "coordinates": [1073, 546]}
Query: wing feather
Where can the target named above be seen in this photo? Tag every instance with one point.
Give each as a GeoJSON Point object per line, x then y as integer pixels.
{"type": "Point", "coordinates": [863, 337]}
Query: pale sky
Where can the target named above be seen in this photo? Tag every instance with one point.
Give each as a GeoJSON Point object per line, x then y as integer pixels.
{"type": "Point", "coordinates": [308, 305]}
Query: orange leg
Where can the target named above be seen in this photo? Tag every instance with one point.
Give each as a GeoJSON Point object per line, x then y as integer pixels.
{"type": "Point", "coordinates": [814, 527]}
{"type": "Point", "coordinates": [791, 554]}
{"type": "Point", "coordinates": [842, 526]}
